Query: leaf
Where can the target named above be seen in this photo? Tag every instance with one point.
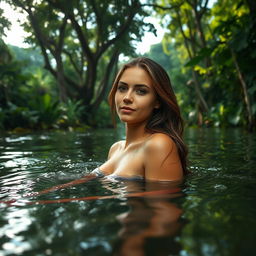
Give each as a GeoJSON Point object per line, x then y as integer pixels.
{"type": "Point", "coordinates": [46, 100]}
{"type": "Point", "coordinates": [202, 54]}
{"type": "Point", "coordinates": [194, 61]}
{"type": "Point", "coordinates": [200, 69]}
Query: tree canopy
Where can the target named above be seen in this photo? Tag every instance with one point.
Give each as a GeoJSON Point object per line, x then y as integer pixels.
{"type": "Point", "coordinates": [217, 47]}
{"type": "Point", "coordinates": [208, 50]}
{"type": "Point", "coordinates": [81, 41]}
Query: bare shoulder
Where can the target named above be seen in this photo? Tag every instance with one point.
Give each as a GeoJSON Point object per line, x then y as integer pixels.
{"type": "Point", "coordinates": [162, 161]}
{"type": "Point", "coordinates": [160, 142]}
{"type": "Point", "coordinates": [117, 145]}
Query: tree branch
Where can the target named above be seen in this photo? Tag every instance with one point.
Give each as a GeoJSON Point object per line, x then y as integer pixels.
{"type": "Point", "coordinates": [184, 36]}
{"type": "Point", "coordinates": [62, 34]}
{"type": "Point", "coordinates": [165, 8]}
{"type": "Point", "coordinates": [99, 23]}
{"type": "Point", "coordinates": [105, 79]}
{"type": "Point", "coordinates": [246, 97]}
{"type": "Point", "coordinates": [85, 46]}
{"type": "Point", "coordinates": [123, 30]}
{"type": "Point", "coordinates": [73, 62]}
{"type": "Point", "coordinates": [41, 39]}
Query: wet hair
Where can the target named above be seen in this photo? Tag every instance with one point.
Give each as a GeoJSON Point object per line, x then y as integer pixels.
{"type": "Point", "coordinates": [165, 119]}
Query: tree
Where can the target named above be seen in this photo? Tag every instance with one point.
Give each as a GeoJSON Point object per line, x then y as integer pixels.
{"type": "Point", "coordinates": [236, 37]}
{"type": "Point", "coordinates": [186, 27]}
{"type": "Point", "coordinates": [4, 24]}
{"type": "Point", "coordinates": [166, 55]}
{"type": "Point", "coordinates": [217, 46]}
{"type": "Point", "coordinates": [80, 39]}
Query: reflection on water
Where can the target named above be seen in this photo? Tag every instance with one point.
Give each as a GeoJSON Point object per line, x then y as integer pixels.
{"type": "Point", "coordinates": [212, 213]}
{"type": "Point", "coordinates": [150, 226]}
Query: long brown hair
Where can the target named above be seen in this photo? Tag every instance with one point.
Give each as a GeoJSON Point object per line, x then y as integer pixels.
{"type": "Point", "coordinates": [166, 119]}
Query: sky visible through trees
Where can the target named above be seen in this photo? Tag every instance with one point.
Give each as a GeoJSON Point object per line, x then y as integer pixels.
{"type": "Point", "coordinates": [15, 35]}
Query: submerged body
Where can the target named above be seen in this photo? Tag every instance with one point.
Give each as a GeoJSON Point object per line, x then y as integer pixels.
{"type": "Point", "coordinates": [153, 158]}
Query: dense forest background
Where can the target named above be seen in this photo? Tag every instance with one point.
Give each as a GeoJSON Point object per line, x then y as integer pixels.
{"type": "Point", "coordinates": [63, 78]}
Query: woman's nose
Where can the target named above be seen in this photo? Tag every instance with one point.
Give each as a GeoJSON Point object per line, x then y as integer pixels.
{"type": "Point", "coordinates": [128, 97]}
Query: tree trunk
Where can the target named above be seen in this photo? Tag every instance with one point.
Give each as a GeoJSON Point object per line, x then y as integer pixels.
{"type": "Point", "coordinates": [202, 102]}
{"type": "Point", "coordinates": [88, 90]}
{"type": "Point", "coordinates": [244, 89]}
{"type": "Point", "coordinates": [200, 32]}
{"type": "Point", "coordinates": [105, 81]}
{"type": "Point", "coordinates": [61, 80]}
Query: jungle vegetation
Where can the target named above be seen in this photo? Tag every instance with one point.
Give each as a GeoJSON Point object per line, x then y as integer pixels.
{"type": "Point", "coordinates": [62, 79]}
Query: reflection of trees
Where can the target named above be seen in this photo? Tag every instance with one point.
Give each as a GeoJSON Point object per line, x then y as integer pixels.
{"type": "Point", "coordinates": [149, 227]}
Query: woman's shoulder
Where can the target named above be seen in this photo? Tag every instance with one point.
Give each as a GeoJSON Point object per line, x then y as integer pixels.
{"type": "Point", "coordinates": [162, 160]}
{"type": "Point", "coordinates": [160, 141]}
{"type": "Point", "coordinates": [117, 145]}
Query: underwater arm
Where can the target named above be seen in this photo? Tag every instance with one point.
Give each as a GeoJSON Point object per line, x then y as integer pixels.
{"type": "Point", "coordinates": [65, 185]}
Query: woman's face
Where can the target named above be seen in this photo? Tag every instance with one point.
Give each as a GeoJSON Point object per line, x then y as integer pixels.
{"type": "Point", "coordinates": [135, 97]}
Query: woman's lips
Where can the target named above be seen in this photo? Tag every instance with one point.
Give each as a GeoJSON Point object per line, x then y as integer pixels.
{"type": "Point", "coordinates": [126, 110]}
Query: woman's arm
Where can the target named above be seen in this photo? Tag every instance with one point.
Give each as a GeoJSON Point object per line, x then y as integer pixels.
{"type": "Point", "coordinates": [84, 179]}
{"type": "Point", "coordinates": [162, 160]}
{"type": "Point", "coordinates": [69, 184]}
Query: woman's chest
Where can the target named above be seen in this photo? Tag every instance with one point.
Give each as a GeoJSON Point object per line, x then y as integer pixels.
{"type": "Point", "coordinates": [126, 163]}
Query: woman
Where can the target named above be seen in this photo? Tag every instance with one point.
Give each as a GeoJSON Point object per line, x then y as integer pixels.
{"type": "Point", "coordinates": [144, 100]}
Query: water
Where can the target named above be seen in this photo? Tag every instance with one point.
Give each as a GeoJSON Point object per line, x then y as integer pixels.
{"type": "Point", "coordinates": [212, 213]}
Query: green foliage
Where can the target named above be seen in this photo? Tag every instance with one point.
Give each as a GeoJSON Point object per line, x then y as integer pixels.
{"type": "Point", "coordinates": [234, 52]}
{"type": "Point", "coordinates": [15, 116]}
{"type": "Point", "coordinates": [77, 37]}
{"type": "Point", "coordinates": [4, 24]}
{"type": "Point", "coordinates": [201, 55]}
{"type": "Point", "coordinates": [218, 52]}
{"type": "Point", "coordinates": [11, 77]}
{"type": "Point", "coordinates": [29, 99]}
{"type": "Point", "coordinates": [102, 117]}
{"type": "Point", "coordinates": [31, 58]}
{"type": "Point", "coordinates": [47, 110]}
{"type": "Point", "coordinates": [71, 113]}
{"type": "Point", "coordinates": [166, 55]}
{"type": "Point", "coordinates": [209, 53]}
{"type": "Point", "coordinates": [24, 101]}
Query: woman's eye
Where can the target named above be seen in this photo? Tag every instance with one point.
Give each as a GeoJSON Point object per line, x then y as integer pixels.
{"type": "Point", "coordinates": [141, 91]}
{"type": "Point", "coordinates": [121, 88]}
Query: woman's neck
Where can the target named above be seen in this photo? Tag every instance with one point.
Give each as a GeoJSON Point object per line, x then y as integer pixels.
{"type": "Point", "coordinates": [135, 132]}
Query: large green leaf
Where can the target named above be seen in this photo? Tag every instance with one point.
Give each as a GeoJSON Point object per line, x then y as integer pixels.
{"type": "Point", "coordinates": [202, 54]}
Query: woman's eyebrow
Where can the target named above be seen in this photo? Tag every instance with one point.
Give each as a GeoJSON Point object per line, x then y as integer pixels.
{"type": "Point", "coordinates": [136, 85]}
{"type": "Point", "coordinates": [142, 85]}
{"type": "Point", "coordinates": [120, 82]}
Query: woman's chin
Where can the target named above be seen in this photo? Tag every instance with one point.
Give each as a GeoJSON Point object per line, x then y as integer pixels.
{"type": "Point", "coordinates": [132, 121]}
{"type": "Point", "coordinates": [126, 118]}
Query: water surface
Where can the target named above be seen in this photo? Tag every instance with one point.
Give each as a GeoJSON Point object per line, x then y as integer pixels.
{"type": "Point", "coordinates": [212, 213]}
